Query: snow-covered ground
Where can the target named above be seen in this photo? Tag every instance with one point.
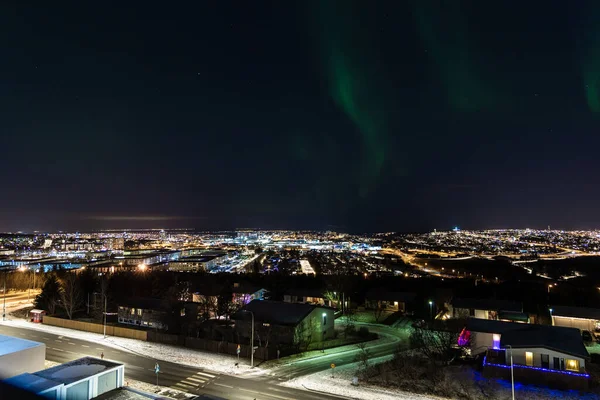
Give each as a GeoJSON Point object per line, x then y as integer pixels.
{"type": "Point", "coordinates": [213, 361]}
{"type": "Point", "coordinates": [341, 385]}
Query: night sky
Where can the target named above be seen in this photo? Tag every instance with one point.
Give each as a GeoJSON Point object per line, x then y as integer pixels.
{"type": "Point", "coordinates": [354, 116]}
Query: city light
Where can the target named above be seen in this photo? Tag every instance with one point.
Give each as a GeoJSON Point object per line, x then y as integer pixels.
{"type": "Point", "coordinates": [142, 267]}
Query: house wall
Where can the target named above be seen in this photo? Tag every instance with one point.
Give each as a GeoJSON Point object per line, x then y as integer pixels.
{"type": "Point", "coordinates": [519, 357]}
{"type": "Point", "coordinates": [26, 360]}
{"type": "Point", "coordinates": [544, 378]}
{"type": "Point", "coordinates": [141, 317]}
{"type": "Point", "coordinates": [89, 388]}
{"type": "Point", "coordinates": [579, 323]}
{"type": "Point", "coordinates": [316, 326]}
{"type": "Point", "coordinates": [480, 342]}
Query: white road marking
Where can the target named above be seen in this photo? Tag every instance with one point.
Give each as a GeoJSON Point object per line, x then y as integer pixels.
{"type": "Point", "coordinates": [220, 384]}
{"type": "Point", "coordinates": [196, 380]}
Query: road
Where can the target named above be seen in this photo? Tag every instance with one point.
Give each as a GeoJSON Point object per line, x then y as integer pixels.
{"type": "Point", "coordinates": [181, 377]}
{"type": "Point", "coordinates": [392, 338]}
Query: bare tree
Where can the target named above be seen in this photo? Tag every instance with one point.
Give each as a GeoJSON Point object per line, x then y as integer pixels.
{"type": "Point", "coordinates": [362, 357]}
{"type": "Point", "coordinates": [379, 311]}
{"type": "Point", "coordinates": [437, 345]}
{"type": "Point", "coordinates": [70, 294]}
{"type": "Point", "coordinates": [303, 334]}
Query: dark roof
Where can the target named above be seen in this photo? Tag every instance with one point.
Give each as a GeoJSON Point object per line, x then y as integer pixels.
{"type": "Point", "coordinates": [487, 304]}
{"type": "Point", "coordinates": [145, 303]}
{"type": "Point", "coordinates": [31, 382]}
{"type": "Point", "coordinates": [491, 325]}
{"type": "Point", "coordinates": [277, 312]}
{"type": "Point", "coordinates": [306, 292]}
{"type": "Point", "coordinates": [564, 340]}
{"type": "Point", "coordinates": [576, 312]}
{"type": "Point", "coordinates": [72, 371]}
{"type": "Point", "coordinates": [513, 316]}
{"type": "Point", "coordinates": [385, 295]}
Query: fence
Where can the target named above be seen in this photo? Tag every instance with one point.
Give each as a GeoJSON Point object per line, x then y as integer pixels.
{"type": "Point", "coordinates": [215, 346]}
{"type": "Point", "coordinates": [96, 328]}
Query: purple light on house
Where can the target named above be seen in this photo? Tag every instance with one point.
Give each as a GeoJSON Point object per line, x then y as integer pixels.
{"type": "Point", "coordinates": [464, 338]}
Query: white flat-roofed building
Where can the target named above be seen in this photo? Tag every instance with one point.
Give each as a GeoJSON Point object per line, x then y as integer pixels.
{"type": "Point", "coordinates": [18, 356]}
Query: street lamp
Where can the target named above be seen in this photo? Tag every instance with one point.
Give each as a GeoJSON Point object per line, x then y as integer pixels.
{"type": "Point", "coordinates": [551, 319]}
{"type": "Point", "coordinates": [252, 340]}
{"type": "Point", "coordinates": [431, 309]}
{"type": "Point", "coordinates": [105, 301]}
{"type": "Point", "coordinates": [512, 376]}
{"type": "Point", "coordinates": [4, 291]}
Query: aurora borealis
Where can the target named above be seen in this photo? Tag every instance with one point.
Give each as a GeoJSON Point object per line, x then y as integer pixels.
{"type": "Point", "coordinates": [388, 115]}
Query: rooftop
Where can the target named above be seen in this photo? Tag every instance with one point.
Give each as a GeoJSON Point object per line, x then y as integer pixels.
{"type": "Point", "coordinates": [9, 344]}
{"type": "Point", "coordinates": [565, 340]}
{"type": "Point", "coordinates": [487, 304]}
{"type": "Point", "coordinates": [77, 370]}
{"type": "Point", "coordinates": [32, 383]}
{"type": "Point", "coordinates": [576, 312]}
{"type": "Point", "coordinates": [277, 312]}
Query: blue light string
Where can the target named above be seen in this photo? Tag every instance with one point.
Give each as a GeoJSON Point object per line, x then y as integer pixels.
{"type": "Point", "coordinates": [485, 363]}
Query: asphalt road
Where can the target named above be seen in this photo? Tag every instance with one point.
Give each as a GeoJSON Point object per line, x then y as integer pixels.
{"type": "Point", "coordinates": [181, 377]}
{"type": "Point", "coordinates": [393, 339]}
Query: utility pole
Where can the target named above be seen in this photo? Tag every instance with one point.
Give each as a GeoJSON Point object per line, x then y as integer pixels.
{"type": "Point", "coordinates": [251, 340]}
{"type": "Point", "coordinates": [4, 306]}
{"type": "Point", "coordinates": [105, 318]}
{"type": "Point", "coordinates": [512, 376]}
{"type": "Point", "coordinates": [252, 347]}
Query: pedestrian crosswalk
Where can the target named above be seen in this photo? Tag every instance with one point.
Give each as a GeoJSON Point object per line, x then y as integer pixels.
{"type": "Point", "coordinates": [194, 382]}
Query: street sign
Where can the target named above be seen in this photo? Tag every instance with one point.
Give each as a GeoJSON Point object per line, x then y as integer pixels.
{"type": "Point", "coordinates": [156, 368]}
{"type": "Point", "coordinates": [332, 365]}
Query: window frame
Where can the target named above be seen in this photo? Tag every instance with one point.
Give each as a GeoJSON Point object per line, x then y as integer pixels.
{"type": "Point", "coordinates": [529, 358]}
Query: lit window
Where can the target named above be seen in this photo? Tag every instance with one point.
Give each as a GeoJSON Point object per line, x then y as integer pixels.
{"type": "Point", "coordinates": [573, 365]}
{"type": "Point", "coordinates": [139, 311]}
{"type": "Point", "coordinates": [529, 358]}
{"type": "Point", "coordinates": [133, 311]}
{"type": "Point", "coordinates": [496, 341]}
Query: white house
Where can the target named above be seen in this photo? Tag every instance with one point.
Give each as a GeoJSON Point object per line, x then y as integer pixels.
{"type": "Point", "coordinates": [540, 353]}
{"type": "Point", "coordinates": [81, 379]}
{"type": "Point", "coordinates": [583, 318]}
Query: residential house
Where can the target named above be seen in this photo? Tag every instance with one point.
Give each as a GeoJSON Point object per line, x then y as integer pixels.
{"type": "Point", "coordinates": [285, 323]}
{"type": "Point", "coordinates": [144, 312]}
{"type": "Point", "coordinates": [388, 300]}
{"type": "Point", "coordinates": [540, 354]}
{"type": "Point", "coordinates": [585, 319]}
{"type": "Point", "coordinates": [493, 309]}
{"type": "Point", "coordinates": [244, 293]}
{"type": "Point", "coordinates": [207, 297]}
{"type": "Point", "coordinates": [306, 295]}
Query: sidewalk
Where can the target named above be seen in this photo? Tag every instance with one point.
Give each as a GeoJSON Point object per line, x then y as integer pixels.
{"type": "Point", "coordinates": [220, 363]}
{"type": "Point", "coordinates": [341, 385]}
